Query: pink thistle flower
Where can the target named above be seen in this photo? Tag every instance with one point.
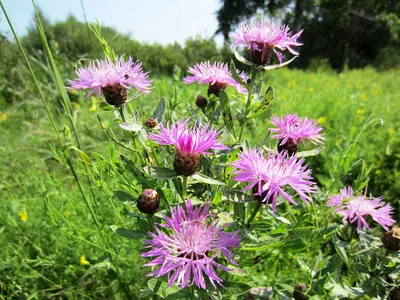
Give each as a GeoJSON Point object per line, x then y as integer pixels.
{"type": "Point", "coordinates": [263, 37]}
{"type": "Point", "coordinates": [269, 176]}
{"type": "Point", "coordinates": [112, 79]}
{"type": "Point", "coordinates": [189, 143]}
{"type": "Point", "coordinates": [216, 75]}
{"type": "Point", "coordinates": [188, 247]}
{"type": "Point", "coordinates": [358, 207]}
{"type": "Point", "coordinates": [292, 129]}
{"type": "Point", "coordinates": [345, 194]}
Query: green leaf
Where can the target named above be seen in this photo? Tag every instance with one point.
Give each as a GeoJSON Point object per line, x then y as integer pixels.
{"type": "Point", "coordinates": [237, 196]}
{"type": "Point", "coordinates": [160, 173]}
{"type": "Point", "coordinates": [160, 110]}
{"type": "Point", "coordinates": [226, 112]}
{"type": "Point", "coordinates": [198, 177]}
{"type": "Point", "coordinates": [132, 234]}
{"type": "Point", "coordinates": [240, 58]}
{"type": "Point", "coordinates": [106, 107]}
{"type": "Point", "coordinates": [236, 76]}
{"type": "Point", "coordinates": [161, 289]}
{"type": "Point", "coordinates": [131, 126]}
{"type": "Point", "coordinates": [262, 247]}
{"type": "Point", "coordinates": [340, 247]}
{"type": "Point", "coordinates": [268, 97]}
{"type": "Point", "coordinates": [123, 196]}
{"type": "Point", "coordinates": [312, 152]}
{"type": "Point", "coordinates": [268, 68]}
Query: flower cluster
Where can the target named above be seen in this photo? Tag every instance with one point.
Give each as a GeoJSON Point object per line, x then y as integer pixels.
{"type": "Point", "coordinates": [269, 176]}
{"type": "Point", "coordinates": [356, 208]}
{"type": "Point", "coordinates": [188, 247]}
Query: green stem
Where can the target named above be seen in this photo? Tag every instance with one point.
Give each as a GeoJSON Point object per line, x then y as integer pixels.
{"type": "Point", "coordinates": [254, 213]}
{"type": "Point", "coordinates": [184, 187]}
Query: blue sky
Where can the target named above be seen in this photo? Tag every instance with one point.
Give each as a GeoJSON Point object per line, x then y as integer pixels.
{"type": "Point", "coordinates": [162, 21]}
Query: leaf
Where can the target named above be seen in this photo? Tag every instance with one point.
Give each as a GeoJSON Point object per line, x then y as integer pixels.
{"type": "Point", "coordinates": [262, 247]}
{"type": "Point", "coordinates": [159, 172]}
{"type": "Point", "coordinates": [123, 196]}
{"type": "Point", "coordinates": [160, 110]}
{"type": "Point", "coordinates": [268, 68]}
{"type": "Point", "coordinates": [312, 152]}
{"type": "Point", "coordinates": [198, 177]}
{"type": "Point", "coordinates": [132, 234]}
{"type": "Point", "coordinates": [240, 58]}
{"type": "Point", "coordinates": [161, 289]}
{"type": "Point", "coordinates": [236, 76]}
{"type": "Point", "coordinates": [237, 196]}
{"type": "Point", "coordinates": [131, 126]}
{"type": "Point", "coordinates": [226, 111]}
{"type": "Point", "coordinates": [268, 97]}
{"type": "Point", "coordinates": [106, 107]}
{"type": "Point", "coordinates": [340, 249]}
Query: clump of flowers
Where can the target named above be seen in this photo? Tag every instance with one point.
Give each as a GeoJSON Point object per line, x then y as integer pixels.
{"type": "Point", "coordinates": [357, 208]}
{"type": "Point", "coordinates": [265, 37]}
{"type": "Point", "coordinates": [268, 177]}
{"type": "Point", "coordinates": [113, 79]}
{"type": "Point", "coordinates": [188, 247]}
{"type": "Point", "coordinates": [216, 75]}
{"type": "Point", "coordinates": [189, 143]}
{"type": "Point", "coordinates": [292, 129]}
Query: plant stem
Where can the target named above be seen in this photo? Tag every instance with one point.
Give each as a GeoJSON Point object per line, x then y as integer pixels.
{"type": "Point", "coordinates": [184, 187]}
{"type": "Point", "coordinates": [254, 213]}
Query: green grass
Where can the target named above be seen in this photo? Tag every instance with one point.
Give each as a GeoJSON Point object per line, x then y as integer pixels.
{"type": "Point", "coordinates": [40, 258]}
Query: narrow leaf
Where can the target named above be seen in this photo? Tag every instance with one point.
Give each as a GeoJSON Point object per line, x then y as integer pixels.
{"type": "Point", "coordinates": [132, 234]}
{"type": "Point", "coordinates": [312, 152]}
{"type": "Point", "coordinates": [160, 110]}
{"type": "Point", "coordinates": [226, 112]}
{"type": "Point", "coordinates": [131, 126]}
{"type": "Point", "coordinates": [106, 107]}
{"type": "Point", "coordinates": [160, 173]}
{"type": "Point", "coordinates": [240, 58]}
{"type": "Point", "coordinates": [198, 177]}
{"type": "Point", "coordinates": [268, 97]}
{"type": "Point", "coordinates": [236, 76]}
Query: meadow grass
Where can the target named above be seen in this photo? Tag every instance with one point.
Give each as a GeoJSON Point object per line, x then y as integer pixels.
{"type": "Point", "coordinates": [50, 246]}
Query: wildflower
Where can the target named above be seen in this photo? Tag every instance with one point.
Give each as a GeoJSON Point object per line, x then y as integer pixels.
{"type": "Point", "coordinates": [23, 215]}
{"type": "Point", "coordinates": [321, 120]}
{"type": "Point", "coordinates": [112, 79]}
{"type": "Point", "coordinates": [189, 143]}
{"type": "Point", "coordinates": [269, 176]}
{"type": "Point", "coordinates": [263, 37]}
{"type": "Point", "coordinates": [188, 247]}
{"type": "Point", "coordinates": [216, 75]}
{"type": "Point", "coordinates": [292, 129]}
{"type": "Point", "coordinates": [356, 208]}
{"type": "Point", "coordinates": [67, 213]}
{"type": "Point", "coordinates": [149, 201]}
{"type": "Point", "coordinates": [3, 117]}
{"type": "Point", "coordinates": [83, 261]}
{"type": "Point", "coordinates": [151, 123]}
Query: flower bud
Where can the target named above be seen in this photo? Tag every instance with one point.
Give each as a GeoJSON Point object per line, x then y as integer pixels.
{"type": "Point", "coordinates": [115, 94]}
{"type": "Point", "coordinates": [216, 88]}
{"type": "Point", "coordinates": [148, 201]}
{"type": "Point", "coordinates": [201, 101]}
{"type": "Point", "coordinates": [394, 294]}
{"type": "Point", "coordinates": [299, 291]}
{"type": "Point", "coordinates": [391, 239]}
{"type": "Point", "coordinates": [290, 146]}
{"type": "Point", "coordinates": [186, 163]}
{"type": "Point", "coordinates": [260, 54]}
{"type": "Point", "coordinates": [151, 123]}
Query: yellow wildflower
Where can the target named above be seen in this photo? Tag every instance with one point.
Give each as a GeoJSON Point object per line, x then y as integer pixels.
{"type": "Point", "coordinates": [83, 261]}
{"type": "Point", "coordinates": [311, 90]}
{"type": "Point", "coordinates": [291, 84]}
{"type": "Point", "coordinates": [360, 111]}
{"type": "Point", "coordinates": [322, 120]}
{"type": "Point", "coordinates": [76, 105]}
{"type": "Point", "coordinates": [363, 96]}
{"type": "Point", "coordinates": [339, 141]}
{"type": "Point", "coordinates": [67, 213]}
{"type": "Point", "coordinates": [23, 215]}
{"type": "Point", "coordinates": [282, 97]}
{"type": "Point", "coordinates": [93, 108]}
{"type": "Point", "coordinates": [3, 117]}
{"type": "Point", "coordinates": [390, 130]}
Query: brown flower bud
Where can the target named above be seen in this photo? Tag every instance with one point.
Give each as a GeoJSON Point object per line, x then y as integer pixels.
{"type": "Point", "coordinates": [394, 294]}
{"type": "Point", "coordinates": [299, 291]}
{"type": "Point", "coordinates": [391, 239]}
{"type": "Point", "coordinates": [151, 123]}
{"type": "Point", "coordinates": [201, 101]}
{"type": "Point", "coordinates": [115, 94]}
{"type": "Point", "coordinates": [186, 163]}
{"type": "Point", "coordinates": [290, 146]}
{"type": "Point", "coordinates": [260, 55]}
{"type": "Point", "coordinates": [216, 88]}
{"type": "Point", "coordinates": [148, 201]}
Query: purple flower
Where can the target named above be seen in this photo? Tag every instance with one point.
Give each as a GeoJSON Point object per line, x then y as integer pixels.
{"type": "Point", "coordinates": [356, 208]}
{"type": "Point", "coordinates": [216, 75]}
{"type": "Point", "coordinates": [345, 194]}
{"type": "Point", "coordinates": [188, 247]}
{"type": "Point", "coordinates": [268, 177]}
{"type": "Point", "coordinates": [264, 37]}
{"type": "Point", "coordinates": [293, 129]}
{"type": "Point", "coordinates": [189, 143]}
{"type": "Point", "coordinates": [105, 73]}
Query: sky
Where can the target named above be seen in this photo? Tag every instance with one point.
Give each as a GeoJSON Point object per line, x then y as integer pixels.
{"type": "Point", "coordinates": [161, 21]}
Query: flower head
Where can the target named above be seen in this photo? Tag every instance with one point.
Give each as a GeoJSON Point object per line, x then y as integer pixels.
{"type": "Point", "coordinates": [358, 207]}
{"type": "Point", "coordinates": [188, 247]}
{"type": "Point", "coordinates": [263, 37]}
{"type": "Point", "coordinates": [189, 143]}
{"type": "Point", "coordinates": [292, 129]}
{"type": "Point", "coordinates": [216, 75]}
{"type": "Point", "coordinates": [112, 79]}
{"type": "Point", "coordinates": [269, 176]}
